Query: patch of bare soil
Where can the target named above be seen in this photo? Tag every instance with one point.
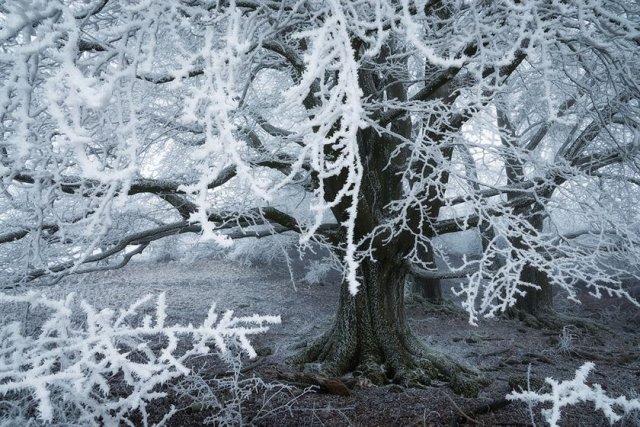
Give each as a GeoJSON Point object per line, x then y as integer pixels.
{"type": "Point", "coordinates": [503, 350]}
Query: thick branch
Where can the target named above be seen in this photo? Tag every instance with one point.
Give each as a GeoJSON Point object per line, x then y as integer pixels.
{"type": "Point", "coordinates": [424, 94]}
{"type": "Point", "coordinates": [278, 222]}
{"type": "Point", "coordinates": [286, 52]}
{"type": "Point", "coordinates": [90, 46]}
{"type": "Point", "coordinates": [17, 235]}
{"type": "Point", "coordinates": [521, 187]}
{"type": "Point", "coordinates": [168, 78]}
{"type": "Point", "coordinates": [451, 274]}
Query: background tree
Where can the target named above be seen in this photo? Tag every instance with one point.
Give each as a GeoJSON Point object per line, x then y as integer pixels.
{"type": "Point", "coordinates": [354, 124]}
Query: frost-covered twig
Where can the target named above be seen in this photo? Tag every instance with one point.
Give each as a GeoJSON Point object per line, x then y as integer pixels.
{"type": "Point", "coordinates": [76, 361]}
{"type": "Point", "coordinates": [224, 397]}
{"type": "Point", "coordinates": [575, 391]}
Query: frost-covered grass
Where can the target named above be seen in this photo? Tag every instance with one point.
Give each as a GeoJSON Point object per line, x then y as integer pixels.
{"type": "Point", "coordinates": [567, 338]}
{"type": "Point", "coordinates": [103, 367]}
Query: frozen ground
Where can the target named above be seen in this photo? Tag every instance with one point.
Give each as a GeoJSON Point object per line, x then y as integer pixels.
{"type": "Point", "coordinates": [501, 349]}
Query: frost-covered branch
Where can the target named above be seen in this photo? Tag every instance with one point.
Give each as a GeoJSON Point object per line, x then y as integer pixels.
{"type": "Point", "coordinates": [575, 391]}
{"type": "Point", "coordinates": [234, 225]}
{"type": "Point", "coordinates": [353, 120]}
{"type": "Point", "coordinates": [70, 363]}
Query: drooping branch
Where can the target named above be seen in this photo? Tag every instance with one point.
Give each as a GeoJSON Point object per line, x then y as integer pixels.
{"type": "Point", "coordinates": [231, 224]}
{"type": "Point", "coordinates": [125, 260]}
{"type": "Point", "coordinates": [71, 185]}
{"type": "Point", "coordinates": [140, 238]}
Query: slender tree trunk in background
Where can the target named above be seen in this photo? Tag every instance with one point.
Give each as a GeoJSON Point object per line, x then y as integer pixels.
{"type": "Point", "coordinates": [535, 302]}
{"type": "Point", "coordinates": [429, 289]}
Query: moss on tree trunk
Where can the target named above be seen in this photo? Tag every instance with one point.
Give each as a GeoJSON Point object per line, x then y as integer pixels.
{"type": "Point", "coordinates": [371, 335]}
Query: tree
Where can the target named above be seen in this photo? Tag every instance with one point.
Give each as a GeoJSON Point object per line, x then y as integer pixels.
{"type": "Point", "coordinates": [578, 141]}
{"type": "Point", "coordinates": [368, 127]}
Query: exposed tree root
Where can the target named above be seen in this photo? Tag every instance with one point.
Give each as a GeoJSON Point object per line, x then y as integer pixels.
{"type": "Point", "coordinates": [413, 366]}
{"type": "Point", "coordinates": [337, 386]}
{"type": "Point", "coordinates": [581, 323]}
{"type": "Point", "coordinates": [549, 319]}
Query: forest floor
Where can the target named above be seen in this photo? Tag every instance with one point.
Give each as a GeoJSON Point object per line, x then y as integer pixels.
{"type": "Point", "coordinates": [503, 350]}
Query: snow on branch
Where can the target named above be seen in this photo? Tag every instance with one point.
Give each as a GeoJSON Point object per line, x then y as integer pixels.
{"type": "Point", "coordinates": [81, 358]}
{"type": "Point", "coordinates": [575, 391]}
{"type": "Point", "coordinates": [337, 116]}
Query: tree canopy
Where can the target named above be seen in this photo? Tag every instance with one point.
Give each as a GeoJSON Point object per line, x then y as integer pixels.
{"type": "Point", "coordinates": [369, 127]}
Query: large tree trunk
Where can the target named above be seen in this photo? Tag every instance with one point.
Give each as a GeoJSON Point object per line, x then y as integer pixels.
{"type": "Point", "coordinates": [371, 335]}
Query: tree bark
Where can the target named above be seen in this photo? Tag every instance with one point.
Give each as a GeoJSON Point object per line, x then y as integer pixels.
{"type": "Point", "coordinates": [370, 333]}
{"type": "Point", "coordinates": [536, 301]}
